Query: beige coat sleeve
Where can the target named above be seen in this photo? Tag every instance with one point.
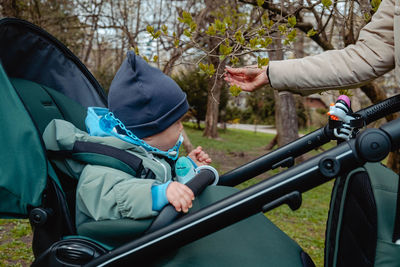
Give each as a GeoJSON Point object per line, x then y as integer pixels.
{"type": "Point", "coordinates": [372, 56]}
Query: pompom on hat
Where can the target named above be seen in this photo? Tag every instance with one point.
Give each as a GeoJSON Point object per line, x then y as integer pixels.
{"type": "Point", "coordinates": [146, 100]}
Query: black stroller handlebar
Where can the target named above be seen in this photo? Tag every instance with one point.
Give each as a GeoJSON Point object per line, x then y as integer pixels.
{"type": "Point", "coordinates": [380, 110]}
{"type": "Point", "coordinates": [285, 155]}
{"type": "Point", "coordinates": [169, 214]}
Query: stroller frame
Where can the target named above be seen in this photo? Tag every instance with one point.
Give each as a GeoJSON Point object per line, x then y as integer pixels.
{"type": "Point", "coordinates": [301, 178]}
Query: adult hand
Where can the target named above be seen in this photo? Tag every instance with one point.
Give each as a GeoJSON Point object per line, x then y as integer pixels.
{"type": "Point", "coordinates": [180, 196]}
{"type": "Point", "coordinates": [249, 78]}
{"type": "Point", "coordinates": [199, 156]}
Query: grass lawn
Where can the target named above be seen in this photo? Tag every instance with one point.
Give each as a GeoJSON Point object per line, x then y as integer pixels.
{"type": "Point", "coordinates": [15, 243]}
{"type": "Point", "coordinates": [232, 149]}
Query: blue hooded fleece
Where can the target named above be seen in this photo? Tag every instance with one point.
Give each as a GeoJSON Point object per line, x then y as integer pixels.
{"type": "Point", "coordinates": [146, 100]}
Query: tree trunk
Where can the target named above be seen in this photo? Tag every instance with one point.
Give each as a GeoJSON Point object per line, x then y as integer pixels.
{"type": "Point", "coordinates": [393, 161]}
{"type": "Point", "coordinates": [286, 122]}
{"type": "Point", "coordinates": [376, 94]}
{"type": "Point", "coordinates": [214, 84]}
{"type": "Point", "coordinates": [273, 143]}
{"type": "Point", "coordinates": [214, 93]}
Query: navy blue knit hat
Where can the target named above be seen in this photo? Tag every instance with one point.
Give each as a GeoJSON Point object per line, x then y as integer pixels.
{"type": "Point", "coordinates": [146, 100]}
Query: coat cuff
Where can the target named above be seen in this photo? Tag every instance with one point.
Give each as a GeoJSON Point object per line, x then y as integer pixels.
{"type": "Point", "coordinates": [159, 196]}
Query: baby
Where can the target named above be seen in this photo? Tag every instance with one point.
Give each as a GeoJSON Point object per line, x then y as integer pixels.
{"type": "Point", "coordinates": [144, 118]}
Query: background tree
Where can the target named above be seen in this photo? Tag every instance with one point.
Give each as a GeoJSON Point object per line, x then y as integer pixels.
{"type": "Point", "coordinates": [221, 32]}
{"type": "Point", "coordinates": [195, 85]}
{"type": "Point", "coordinates": [57, 17]}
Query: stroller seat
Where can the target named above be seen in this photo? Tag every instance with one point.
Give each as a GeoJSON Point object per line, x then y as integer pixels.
{"type": "Point", "coordinates": [245, 243]}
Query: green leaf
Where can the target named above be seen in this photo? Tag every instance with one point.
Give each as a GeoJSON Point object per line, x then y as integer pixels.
{"type": "Point", "coordinates": [186, 18]}
{"type": "Point", "coordinates": [234, 60]}
{"type": "Point", "coordinates": [253, 42]}
{"type": "Point", "coordinates": [220, 26]}
{"type": "Point", "coordinates": [202, 67]}
{"type": "Point", "coordinates": [157, 34]}
{"type": "Point", "coordinates": [375, 4]}
{"type": "Point", "coordinates": [193, 26]}
{"type": "Point", "coordinates": [228, 21]}
{"type": "Point", "coordinates": [367, 17]}
{"type": "Point", "coordinates": [207, 68]}
{"type": "Point", "coordinates": [345, 92]}
{"type": "Point", "coordinates": [239, 37]}
{"type": "Point", "coordinates": [187, 33]}
{"type": "Point", "coordinates": [292, 21]}
{"type": "Point", "coordinates": [291, 37]}
{"type": "Point", "coordinates": [266, 21]}
{"type": "Point", "coordinates": [326, 3]}
{"type": "Point", "coordinates": [186, 15]}
{"type": "Point", "coordinates": [235, 90]}
{"type": "Point", "coordinates": [260, 2]}
{"type": "Point", "coordinates": [211, 70]}
{"type": "Point", "coordinates": [211, 30]}
{"type": "Point", "coordinates": [311, 32]}
{"type": "Point", "coordinates": [135, 49]}
{"type": "Point", "coordinates": [155, 58]}
{"type": "Point", "coordinates": [262, 62]}
{"type": "Point", "coordinates": [146, 59]}
{"type": "Point", "coordinates": [282, 28]}
{"type": "Point", "coordinates": [269, 24]}
{"type": "Point", "coordinates": [150, 29]}
{"type": "Point", "coordinates": [164, 28]}
{"type": "Point", "coordinates": [266, 42]}
{"type": "Point", "coordinates": [261, 32]}
{"type": "Point", "coordinates": [176, 43]}
{"type": "Point", "coordinates": [225, 50]}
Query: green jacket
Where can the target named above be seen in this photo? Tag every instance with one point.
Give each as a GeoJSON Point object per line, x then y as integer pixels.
{"type": "Point", "coordinates": [105, 193]}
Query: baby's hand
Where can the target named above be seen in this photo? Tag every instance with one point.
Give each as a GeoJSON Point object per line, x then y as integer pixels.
{"type": "Point", "coordinates": [200, 157]}
{"type": "Point", "coordinates": [180, 196]}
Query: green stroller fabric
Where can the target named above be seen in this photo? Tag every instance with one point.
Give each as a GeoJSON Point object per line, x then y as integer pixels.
{"type": "Point", "coordinates": [23, 164]}
{"type": "Point", "coordinates": [361, 219]}
{"type": "Point", "coordinates": [255, 241]}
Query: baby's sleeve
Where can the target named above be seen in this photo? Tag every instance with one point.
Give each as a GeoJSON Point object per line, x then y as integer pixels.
{"type": "Point", "coordinates": [104, 193]}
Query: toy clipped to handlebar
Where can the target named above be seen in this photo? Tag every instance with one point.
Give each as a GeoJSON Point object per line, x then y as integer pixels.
{"type": "Point", "coordinates": [344, 122]}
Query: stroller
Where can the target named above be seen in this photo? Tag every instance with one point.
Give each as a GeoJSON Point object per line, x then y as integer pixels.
{"type": "Point", "coordinates": [42, 80]}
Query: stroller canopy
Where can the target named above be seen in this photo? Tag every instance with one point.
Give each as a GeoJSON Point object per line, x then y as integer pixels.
{"type": "Point", "coordinates": [34, 68]}
{"type": "Point", "coordinates": [30, 53]}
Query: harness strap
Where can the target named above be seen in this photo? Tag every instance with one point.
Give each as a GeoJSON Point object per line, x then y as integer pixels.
{"type": "Point", "coordinates": [104, 155]}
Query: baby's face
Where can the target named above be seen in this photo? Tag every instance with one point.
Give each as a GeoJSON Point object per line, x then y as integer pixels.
{"type": "Point", "coordinates": [167, 138]}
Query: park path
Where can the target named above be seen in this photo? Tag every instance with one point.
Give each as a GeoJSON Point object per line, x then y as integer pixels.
{"type": "Point", "coordinates": [251, 127]}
